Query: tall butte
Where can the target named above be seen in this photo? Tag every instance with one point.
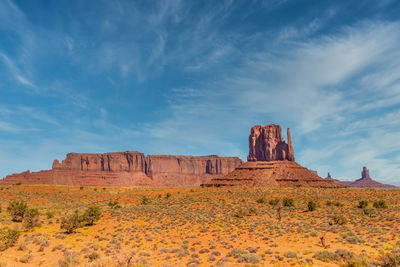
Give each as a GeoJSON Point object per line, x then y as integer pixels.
{"type": "Point", "coordinates": [271, 162]}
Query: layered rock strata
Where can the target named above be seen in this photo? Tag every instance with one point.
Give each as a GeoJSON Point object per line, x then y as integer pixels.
{"type": "Point", "coordinates": [271, 163]}
{"type": "Point", "coordinates": [130, 168]}
{"type": "Point", "coordinates": [267, 144]}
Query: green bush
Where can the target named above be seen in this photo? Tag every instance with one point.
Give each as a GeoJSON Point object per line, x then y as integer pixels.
{"type": "Point", "coordinates": [261, 201]}
{"type": "Point", "coordinates": [311, 205]}
{"type": "Point", "coordinates": [8, 238]}
{"type": "Point", "coordinates": [362, 204]}
{"type": "Point", "coordinates": [381, 204]}
{"type": "Point", "coordinates": [91, 214]}
{"type": "Point", "coordinates": [31, 219]}
{"type": "Point", "coordinates": [50, 214]}
{"type": "Point", "coordinates": [274, 202]}
{"type": "Point", "coordinates": [168, 195]}
{"type": "Point", "coordinates": [145, 200]}
{"type": "Point", "coordinates": [71, 222]}
{"type": "Point", "coordinates": [17, 210]}
{"type": "Point", "coordinates": [114, 204]}
{"type": "Point", "coordinates": [288, 202]}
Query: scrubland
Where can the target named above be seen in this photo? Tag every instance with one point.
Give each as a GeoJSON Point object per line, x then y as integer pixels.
{"type": "Point", "coordinates": [125, 226]}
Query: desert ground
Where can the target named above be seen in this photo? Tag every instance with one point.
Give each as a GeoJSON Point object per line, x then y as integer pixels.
{"type": "Point", "coordinates": [205, 227]}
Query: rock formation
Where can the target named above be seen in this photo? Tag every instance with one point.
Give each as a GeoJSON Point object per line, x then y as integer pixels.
{"type": "Point", "coordinates": [267, 144]}
{"type": "Point", "coordinates": [130, 168]}
{"type": "Point", "coordinates": [271, 163]}
{"type": "Point", "coordinates": [367, 182]}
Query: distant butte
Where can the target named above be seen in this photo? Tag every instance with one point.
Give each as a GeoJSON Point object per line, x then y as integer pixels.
{"type": "Point", "coordinates": [271, 162]}
{"type": "Point", "coordinates": [367, 182]}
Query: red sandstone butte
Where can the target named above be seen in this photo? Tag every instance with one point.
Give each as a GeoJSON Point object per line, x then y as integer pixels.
{"type": "Point", "coordinates": [130, 168]}
{"type": "Point", "coordinates": [271, 163]}
{"type": "Point", "coordinates": [267, 144]}
{"type": "Point", "coordinates": [367, 182]}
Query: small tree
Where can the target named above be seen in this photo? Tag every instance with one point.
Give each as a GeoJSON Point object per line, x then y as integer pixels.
{"type": "Point", "coordinates": [91, 214]}
{"type": "Point", "coordinates": [71, 222]}
{"type": "Point", "coordinates": [17, 210]}
{"type": "Point", "coordinates": [311, 205]}
{"type": "Point", "coordinates": [31, 219]}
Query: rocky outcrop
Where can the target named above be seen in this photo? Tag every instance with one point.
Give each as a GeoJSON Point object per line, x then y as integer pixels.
{"type": "Point", "coordinates": [267, 144]}
{"type": "Point", "coordinates": [272, 173]}
{"type": "Point", "coordinates": [367, 182]}
{"type": "Point", "coordinates": [271, 163]}
{"type": "Point", "coordinates": [130, 168]}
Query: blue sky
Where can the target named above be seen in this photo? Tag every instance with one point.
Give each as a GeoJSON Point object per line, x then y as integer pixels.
{"type": "Point", "coordinates": [192, 77]}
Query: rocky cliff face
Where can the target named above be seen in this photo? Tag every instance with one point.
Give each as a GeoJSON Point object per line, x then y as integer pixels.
{"type": "Point", "coordinates": [267, 144]}
{"type": "Point", "coordinates": [271, 163]}
{"type": "Point", "coordinates": [130, 168]}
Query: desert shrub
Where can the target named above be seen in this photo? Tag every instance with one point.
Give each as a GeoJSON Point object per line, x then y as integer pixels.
{"type": "Point", "coordinates": [339, 219]}
{"type": "Point", "coordinates": [380, 204]}
{"type": "Point", "coordinates": [391, 259]}
{"type": "Point", "coordinates": [290, 254]}
{"type": "Point", "coordinates": [69, 259]}
{"type": "Point", "coordinates": [326, 256]}
{"type": "Point", "coordinates": [31, 219]}
{"type": "Point", "coordinates": [8, 238]}
{"type": "Point", "coordinates": [114, 204]}
{"type": "Point", "coordinates": [261, 201]}
{"type": "Point", "coordinates": [356, 263]}
{"type": "Point", "coordinates": [329, 203]}
{"type": "Point", "coordinates": [71, 222]}
{"type": "Point", "coordinates": [91, 214]}
{"type": "Point", "coordinates": [245, 212]}
{"type": "Point", "coordinates": [93, 256]}
{"type": "Point", "coordinates": [274, 202]}
{"type": "Point", "coordinates": [362, 204]}
{"type": "Point", "coordinates": [168, 195]}
{"type": "Point", "coordinates": [81, 188]}
{"type": "Point", "coordinates": [50, 214]}
{"type": "Point", "coordinates": [145, 200]}
{"type": "Point", "coordinates": [311, 205]}
{"type": "Point", "coordinates": [248, 258]}
{"type": "Point", "coordinates": [19, 183]}
{"type": "Point", "coordinates": [17, 210]}
{"type": "Point", "coordinates": [288, 202]}
{"type": "Point", "coordinates": [344, 254]}
{"type": "Point", "coordinates": [26, 258]}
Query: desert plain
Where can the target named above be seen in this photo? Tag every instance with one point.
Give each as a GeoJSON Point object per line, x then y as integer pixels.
{"type": "Point", "coordinates": [230, 226]}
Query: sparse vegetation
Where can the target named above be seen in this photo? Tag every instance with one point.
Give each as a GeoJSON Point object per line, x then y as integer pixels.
{"type": "Point", "coordinates": [311, 205]}
{"type": "Point", "coordinates": [362, 204]}
{"type": "Point", "coordinates": [288, 202]}
{"type": "Point", "coordinates": [91, 215]}
{"type": "Point", "coordinates": [17, 209]}
{"type": "Point", "coordinates": [380, 204]}
{"type": "Point", "coordinates": [202, 227]}
{"type": "Point", "coordinates": [8, 238]}
{"type": "Point", "coordinates": [71, 222]}
{"type": "Point", "coordinates": [31, 219]}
